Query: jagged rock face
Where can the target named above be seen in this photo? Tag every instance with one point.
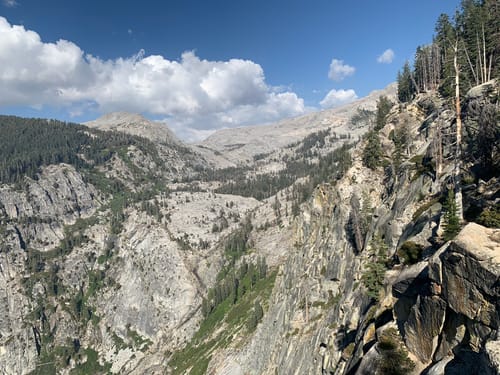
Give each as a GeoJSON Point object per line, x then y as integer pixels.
{"type": "Point", "coordinates": [455, 299]}
{"type": "Point", "coordinates": [314, 290]}
{"type": "Point", "coordinates": [445, 307]}
{"type": "Point", "coordinates": [18, 354]}
{"type": "Point", "coordinates": [39, 212]}
{"type": "Point", "coordinates": [140, 286]}
{"type": "Point", "coordinates": [133, 293]}
{"type": "Point", "coordinates": [178, 159]}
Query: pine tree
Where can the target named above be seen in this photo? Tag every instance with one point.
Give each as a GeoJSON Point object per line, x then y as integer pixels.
{"type": "Point", "coordinates": [384, 106]}
{"type": "Point", "coordinates": [406, 87]}
{"type": "Point", "coordinates": [401, 140]}
{"type": "Point", "coordinates": [492, 34]}
{"type": "Point", "coordinates": [445, 38]}
{"type": "Point", "coordinates": [372, 153]}
{"type": "Point", "coordinates": [374, 273]}
{"type": "Point", "coordinates": [470, 28]}
{"type": "Point", "coordinates": [427, 67]}
{"type": "Point", "coordinates": [451, 219]}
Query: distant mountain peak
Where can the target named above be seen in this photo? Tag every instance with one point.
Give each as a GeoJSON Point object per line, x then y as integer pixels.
{"type": "Point", "coordinates": [239, 145]}
{"type": "Point", "coordinates": [122, 116]}
{"type": "Point", "coordinates": [134, 124]}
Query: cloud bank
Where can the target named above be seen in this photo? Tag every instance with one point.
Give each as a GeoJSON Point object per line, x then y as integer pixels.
{"type": "Point", "coordinates": [339, 70]}
{"type": "Point", "coordinates": [195, 95]}
{"type": "Point", "coordinates": [386, 57]}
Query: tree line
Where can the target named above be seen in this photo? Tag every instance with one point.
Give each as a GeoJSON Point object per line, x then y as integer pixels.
{"type": "Point", "coordinates": [234, 285]}
{"type": "Point", "coordinates": [472, 37]}
{"type": "Point", "coordinates": [26, 144]}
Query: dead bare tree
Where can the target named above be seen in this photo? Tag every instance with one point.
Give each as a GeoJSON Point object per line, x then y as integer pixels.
{"type": "Point", "coordinates": [458, 131]}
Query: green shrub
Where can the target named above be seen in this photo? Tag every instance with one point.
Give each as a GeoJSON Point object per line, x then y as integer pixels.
{"type": "Point", "coordinates": [349, 350]}
{"type": "Point", "coordinates": [91, 365]}
{"type": "Point", "coordinates": [410, 252]}
{"type": "Point", "coordinates": [490, 217]}
{"type": "Point", "coordinates": [393, 355]}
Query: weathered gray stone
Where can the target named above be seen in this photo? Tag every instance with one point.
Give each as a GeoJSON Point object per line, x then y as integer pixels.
{"type": "Point", "coordinates": [452, 334]}
{"type": "Point", "coordinates": [440, 367]}
{"type": "Point", "coordinates": [423, 326]}
{"type": "Point", "coordinates": [445, 306]}
{"type": "Point", "coordinates": [411, 281]}
{"type": "Point", "coordinates": [493, 351]}
{"type": "Point", "coordinates": [471, 268]}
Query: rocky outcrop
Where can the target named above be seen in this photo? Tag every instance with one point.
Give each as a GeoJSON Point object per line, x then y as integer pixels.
{"type": "Point", "coordinates": [117, 277]}
{"type": "Point", "coordinates": [81, 273]}
{"type": "Point", "coordinates": [39, 211]}
{"type": "Point", "coordinates": [448, 307]}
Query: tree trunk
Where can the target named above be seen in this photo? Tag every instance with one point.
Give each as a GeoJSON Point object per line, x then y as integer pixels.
{"type": "Point", "coordinates": [458, 153]}
{"type": "Point", "coordinates": [484, 57]}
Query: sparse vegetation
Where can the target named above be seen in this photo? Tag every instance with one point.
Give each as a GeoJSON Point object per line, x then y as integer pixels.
{"type": "Point", "coordinates": [329, 167]}
{"type": "Point", "coordinates": [91, 365]}
{"type": "Point", "coordinates": [450, 219]}
{"type": "Point", "coordinates": [410, 252]}
{"type": "Point", "coordinates": [374, 273]}
{"type": "Point", "coordinates": [362, 117]}
{"type": "Point", "coordinates": [490, 217]}
{"type": "Point", "coordinates": [394, 357]}
{"type": "Point", "coordinates": [234, 317]}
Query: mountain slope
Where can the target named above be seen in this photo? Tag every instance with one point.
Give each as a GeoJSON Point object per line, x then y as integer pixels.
{"type": "Point", "coordinates": [95, 252]}
{"type": "Point", "coordinates": [134, 124]}
{"type": "Point", "coordinates": [240, 145]}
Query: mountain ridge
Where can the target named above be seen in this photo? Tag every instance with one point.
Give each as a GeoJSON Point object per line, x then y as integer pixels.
{"type": "Point", "coordinates": [240, 145]}
{"type": "Point", "coordinates": [134, 124]}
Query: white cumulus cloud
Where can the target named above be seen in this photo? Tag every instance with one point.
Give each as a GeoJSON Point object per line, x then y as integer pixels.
{"type": "Point", "coordinates": [386, 57]}
{"type": "Point", "coordinates": [198, 94]}
{"type": "Point", "coordinates": [339, 70]}
{"type": "Point", "coordinates": [336, 98]}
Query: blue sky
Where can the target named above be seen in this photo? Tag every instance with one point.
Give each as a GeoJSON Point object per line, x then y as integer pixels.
{"type": "Point", "coordinates": [203, 65]}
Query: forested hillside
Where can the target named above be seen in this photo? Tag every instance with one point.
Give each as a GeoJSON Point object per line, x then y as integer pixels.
{"type": "Point", "coordinates": [27, 144]}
